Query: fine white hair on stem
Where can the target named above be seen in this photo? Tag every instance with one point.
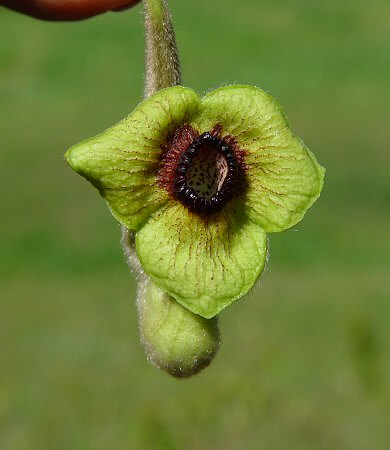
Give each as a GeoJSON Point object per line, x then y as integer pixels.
{"type": "Point", "coordinates": [162, 56]}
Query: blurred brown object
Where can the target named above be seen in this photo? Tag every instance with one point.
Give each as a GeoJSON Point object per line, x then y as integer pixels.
{"type": "Point", "coordinates": [66, 9]}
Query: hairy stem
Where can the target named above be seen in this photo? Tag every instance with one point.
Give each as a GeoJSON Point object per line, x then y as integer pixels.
{"type": "Point", "coordinates": [162, 57]}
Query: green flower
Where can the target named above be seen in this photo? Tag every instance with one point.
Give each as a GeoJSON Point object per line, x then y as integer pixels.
{"type": "Point", "coordinates": [201, 181]}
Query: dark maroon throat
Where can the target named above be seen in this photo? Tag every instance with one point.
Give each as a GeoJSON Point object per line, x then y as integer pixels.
{"type": "Point", "coordinates": [203, 172]}
{"type": "Point", "coordinates": [204, 175]}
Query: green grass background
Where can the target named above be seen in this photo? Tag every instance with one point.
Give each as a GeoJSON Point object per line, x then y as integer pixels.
{"type": "Point", "coordinates": [304, 363]}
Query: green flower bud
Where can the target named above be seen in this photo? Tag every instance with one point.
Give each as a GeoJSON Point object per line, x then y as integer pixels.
{"type": "Point", "coordinates": [175, 339]}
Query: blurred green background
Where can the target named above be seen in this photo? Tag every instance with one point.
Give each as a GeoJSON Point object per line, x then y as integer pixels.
{"type": "Point", "coordinates": [304, 362]}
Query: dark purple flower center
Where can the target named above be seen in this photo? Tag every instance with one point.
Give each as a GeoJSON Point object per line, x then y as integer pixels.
{"type": "Point", "coordinates": [206, 174]}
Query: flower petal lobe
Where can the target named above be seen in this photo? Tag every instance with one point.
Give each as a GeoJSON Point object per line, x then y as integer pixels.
{"type": "Point", "coordinates": [204, 263]}
{"type": "Point", "coordinates": [122, 163]}
{"type": "Point", "coordinates": [284, 178]}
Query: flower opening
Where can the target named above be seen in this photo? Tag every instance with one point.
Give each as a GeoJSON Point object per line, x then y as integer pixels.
{"type": "Point", "coordinates": [203, 171]}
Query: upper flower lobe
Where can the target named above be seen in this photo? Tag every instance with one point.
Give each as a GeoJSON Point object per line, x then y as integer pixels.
{"type": "Point", "coordinates": [201, 181]}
